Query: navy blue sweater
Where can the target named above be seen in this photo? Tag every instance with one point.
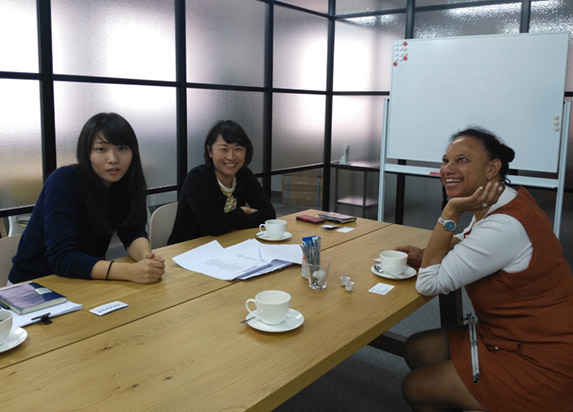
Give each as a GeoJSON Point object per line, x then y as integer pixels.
{"type": "Point", "coordinates": [59, 239]}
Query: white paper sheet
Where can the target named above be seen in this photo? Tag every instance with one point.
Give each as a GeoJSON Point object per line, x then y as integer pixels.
{"type": "Point", "coordinates": [53, 311]}
{"type": "Point", "coordinates": [241, 261]}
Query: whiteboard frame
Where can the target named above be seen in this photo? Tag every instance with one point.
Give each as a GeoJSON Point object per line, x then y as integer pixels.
{"type": "Point", "coordinates": [557, 184]}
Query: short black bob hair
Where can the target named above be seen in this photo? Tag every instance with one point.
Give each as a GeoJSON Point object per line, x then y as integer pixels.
{"type": "Point", "coordinates": [231, 132]}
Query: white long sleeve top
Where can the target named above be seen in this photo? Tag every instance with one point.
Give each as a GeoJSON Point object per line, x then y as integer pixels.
{"type": "Point", "coordinates": [496, 242]}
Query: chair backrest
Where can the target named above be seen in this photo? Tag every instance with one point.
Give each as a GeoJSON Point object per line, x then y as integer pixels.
{"type": "Point", "coordinates": [17, 224]}
{"type": "Point", "coordinates": [8, 247]}
{"type": "Point", "coordinates": [161, 223]}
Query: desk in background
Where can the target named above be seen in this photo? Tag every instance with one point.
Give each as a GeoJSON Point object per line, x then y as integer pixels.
{"type": "Point", "coordinates": [364, 202]}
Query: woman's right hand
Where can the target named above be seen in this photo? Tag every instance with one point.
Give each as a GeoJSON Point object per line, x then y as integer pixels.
{"type": "Point", "coordinates": [150, 269]}
{"type": "Point", "coordinates": [415, 254]}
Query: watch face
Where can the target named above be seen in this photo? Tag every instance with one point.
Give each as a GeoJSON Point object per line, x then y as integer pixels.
{"type": "Point", "coordinates": [450, 226]}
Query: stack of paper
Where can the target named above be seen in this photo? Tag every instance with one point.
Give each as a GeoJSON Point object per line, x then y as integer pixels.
{"type": "Point", "coordinates": [51, 312]}
{"type": "Point", "coordinates": [241, 261]}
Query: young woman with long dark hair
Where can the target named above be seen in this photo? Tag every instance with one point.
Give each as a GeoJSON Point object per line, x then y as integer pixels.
{"type": "Point", "coordinates": [81, 206]}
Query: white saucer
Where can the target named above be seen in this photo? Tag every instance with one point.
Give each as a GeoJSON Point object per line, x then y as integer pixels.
{"type": "Point", "coordinates": [17, 336]}
{"type": "Point", "coordinates": [406, 274]}
{"type": "Point", "coordinates": [264, 236]}
{"type": "Point", "coordinates": [293, 320]}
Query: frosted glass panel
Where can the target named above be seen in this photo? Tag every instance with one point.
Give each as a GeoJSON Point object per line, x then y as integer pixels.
{"type": "Point", "coordinates": [422, 3]}
{"type": "Point", "coordinates": [357, 121]}
{"type": "Point", "coordinates": [555, 16]}
{"type": "Point", "coordinates": [317, 5]}
{"type": "Point", "coordinates": [468, 21]}
{"type": "Point", "coordinates": [298, 130]}
{"type": "Point", "coordinates": [363, 6]}
{"type": "Point", "coordinates": [149, 110]}
{"type": "Point", "coordinates": [114, 38]}
{"type": "Point", "coordinates": [18, 36]}
{"type": "Point", "coordinates": [205, 107]}
{"type": "Point", "coordinates": [300, 46]}
{"type": "Point", "coordinates": [225, 41]}
{"type": "Point", "coordinates": [363, 52]}
{"type": "Point", "coordinates": [20, 143]}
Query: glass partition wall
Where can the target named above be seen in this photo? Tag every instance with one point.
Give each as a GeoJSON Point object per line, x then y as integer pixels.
{"type": "Point", "coordinates": [305, 78]}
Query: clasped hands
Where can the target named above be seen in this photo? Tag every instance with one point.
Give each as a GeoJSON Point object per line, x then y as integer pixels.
{"type": "Point", "coordinates": [150, 269]}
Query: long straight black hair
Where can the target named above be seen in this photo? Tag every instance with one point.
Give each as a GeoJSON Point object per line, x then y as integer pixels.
{"type": "Point", "coordinates": [127, 205]}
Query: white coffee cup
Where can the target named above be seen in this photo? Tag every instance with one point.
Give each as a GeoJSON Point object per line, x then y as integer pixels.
{"type": "Point", "coordinates": [273, 228]}
{"type": "Point", "coordinates": [272, 306]}
{"type": "Point", "coordinates": [393, 261]}
{"type": "Point", "coordinates": [5, 325]}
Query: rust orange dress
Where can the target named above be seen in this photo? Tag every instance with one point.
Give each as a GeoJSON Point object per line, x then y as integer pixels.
{"type": "Point", "coordinates": [525, 326]}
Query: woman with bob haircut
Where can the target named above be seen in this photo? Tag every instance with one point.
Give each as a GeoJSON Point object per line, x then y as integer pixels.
{"type": "Point", "coordinates": [222, 194]}
{"type": "Point", "coordinates": [512, 267]}
{"type": "Point", "coordinates": [81, 206]}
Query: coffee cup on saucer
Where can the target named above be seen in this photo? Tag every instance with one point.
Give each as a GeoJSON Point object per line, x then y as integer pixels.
{"type": "Point", "coordinates": [5, 325]}
{"type": "Point", "coordinates": [393, 261]}
{"type": "Point", "coordinates": [273, 228]}
{"type": "Point", "coordinates": [272, 306]}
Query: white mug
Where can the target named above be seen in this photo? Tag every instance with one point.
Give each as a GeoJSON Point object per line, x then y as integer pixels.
{"type": "Point", "coordinates": [273, 228]}
{"type": "Point", "coordinates": [5, 325]}
{"type": "Point", "coordinates": [272, 306]}
{"type": "Point", "coordinates": [393, 261]}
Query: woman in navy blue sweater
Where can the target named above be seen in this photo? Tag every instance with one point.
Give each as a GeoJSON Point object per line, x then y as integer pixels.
{"type": "Point", "coordinates": [81, 206]}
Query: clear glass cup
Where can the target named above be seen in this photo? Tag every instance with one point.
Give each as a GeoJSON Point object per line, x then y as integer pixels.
{"type": "Point", "coordinates": [318, 275]}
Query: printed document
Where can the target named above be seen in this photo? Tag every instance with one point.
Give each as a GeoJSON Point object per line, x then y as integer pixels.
{"type": "Point", "coordinates": [241, 261]}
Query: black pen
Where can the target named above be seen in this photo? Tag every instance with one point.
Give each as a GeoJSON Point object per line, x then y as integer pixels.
{"type": "Point", "coordinates": [41, 317]}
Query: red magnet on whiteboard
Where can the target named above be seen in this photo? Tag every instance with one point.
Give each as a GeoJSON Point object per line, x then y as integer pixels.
{"type": "Point", "coordinates": [395, 63]}
{"type": "Point", "coordinates": [405, 43]}
{"type": "Point", "coordinates": [405, 57]}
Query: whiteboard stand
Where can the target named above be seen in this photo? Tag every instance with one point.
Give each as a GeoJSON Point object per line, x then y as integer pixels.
{"type": "Point", "coordinates": [382, 176]}
{"type": "Point", "coordinates": [561, 173]}
{"type": "Point", "coordinates": [558, 184]}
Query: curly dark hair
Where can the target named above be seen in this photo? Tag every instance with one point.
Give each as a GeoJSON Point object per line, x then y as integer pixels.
{"type": "Point", "coordinates": [493, 146]}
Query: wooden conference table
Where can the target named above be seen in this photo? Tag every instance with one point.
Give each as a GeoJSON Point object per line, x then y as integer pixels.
{"type": "Point", "coordinates": [179, 345]}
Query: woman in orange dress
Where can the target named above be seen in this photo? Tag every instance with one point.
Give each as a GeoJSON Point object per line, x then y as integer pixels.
{"type": "Point", "coordinates": [518, 281]}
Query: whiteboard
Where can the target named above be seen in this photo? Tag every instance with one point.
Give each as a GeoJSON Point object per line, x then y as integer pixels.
{"type": "Point", "coordinates": [512, 85]}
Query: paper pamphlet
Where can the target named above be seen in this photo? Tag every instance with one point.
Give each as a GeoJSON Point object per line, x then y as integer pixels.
{"type": "Point", "coordinates": [241, 261]}
{"type": "Point", "coordinates": [34, 317]}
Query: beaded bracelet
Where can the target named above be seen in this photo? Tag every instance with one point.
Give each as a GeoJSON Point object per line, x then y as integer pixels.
{"type": "Point", "coordinates": [108, 269]}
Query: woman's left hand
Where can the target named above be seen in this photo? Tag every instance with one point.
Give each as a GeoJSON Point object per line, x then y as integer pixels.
{"type": "Point", "coordinates": [248, 210]}
{"type": "Point", "coordinates": [482, 198]}
{"type": "Point", "coordinates": [154, 256]}
{"type": "Point", "coordinates": [415, 254]}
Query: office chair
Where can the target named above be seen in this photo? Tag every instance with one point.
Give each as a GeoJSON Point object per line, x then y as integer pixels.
{"type": "Point", "coordinates": [8, 247]}
{"type": "Point", "coordinates": [161, 223]}
{"type": "Point", "coordinates": [17, 224]}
